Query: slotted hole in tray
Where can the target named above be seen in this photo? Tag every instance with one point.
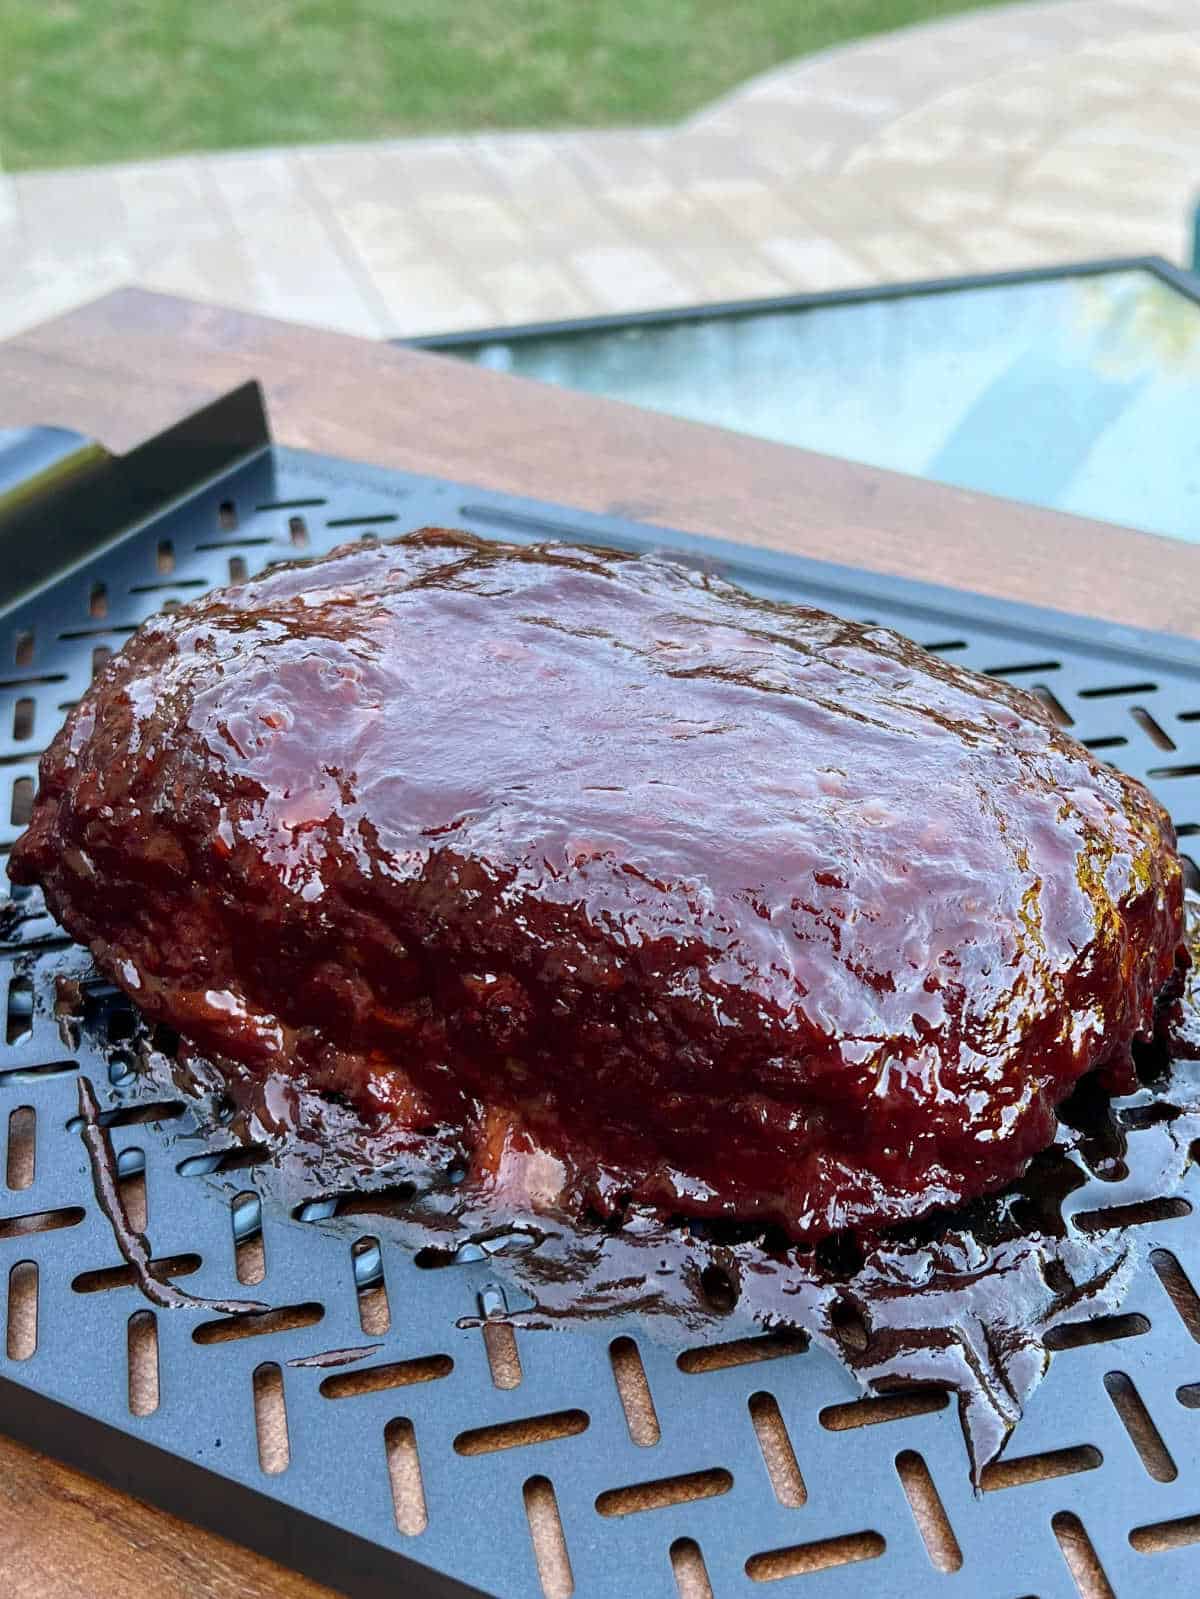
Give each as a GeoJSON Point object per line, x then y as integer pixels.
{"type": "Point", "coordinates": [1025, 1469]}
{"type": "Point", "coordinates": [1138, 1214]}
{"type": "Point", "coordinates": [1179, 1289]}
{"type": "Point", "coordinates": [1098, 1330]}
{"type": "Point", "coordinates": [172, 587]}
{"type": "Point", "coordinates": [1152, 727]}
{"type": "Point", "coordinates": [131, 1187]}
{"type": "Point", "coordinates": [1080, 1555]}
{"type": "Point", "coordinates": [26, 681]}
{"type": "Point", "coordinates": [249, 1249]}
{"type": "Point", "coordinates": [120, 1069]}
{"type": "Point", "coordinates": [1022, 668]}
{"type": "Point", "coordinates": [1160, 1536]}
{"type": "Point", "coordinates": [394, 1374]}
{"type": "Point", "coordinates": [633, 1389]}
{"type": "Point", "coordinates": [1044, 693]}
{"type": "Point", "coordinates": [1139, 1424]}
{"type": "Point", "coordinates": [391, 1201]}
{"type": "Point", "coordinates": [19, 1010]}
{"type": "Point", "coordinates": [258, 1324]}
{"type": "Point", "coordinates": [741, 1352]}
{"type": "Point", "coordinates": [928, 1511]}
{"type": "Point", "coordinates": [22, 1147]}
{"type": "Point", "coordinates": [521, 1434]}
{"type": "Point", "coordinates": [298, 532]}
{"type": "Point", "coordinates": [883, 1408]}
{"type": "Point", "coordinates": [142, 1340]}
{"type": "Point", "coordinates": [107, 629]}
{"type": "Point", "coordinates": [1109, 690]}
{"type": "Point", "coordinates": [234, 544]}
{"type": "Point", "coordinates": [798, 1560]}
{"type": "Point", "coordinates": [160, 1110]}
{"type": "Point", "coordinates": [503, 1354]}
{"type": "Point", "coordinates": [22, 1330]}
{"type": "Point", "coordinates": [849, 1327]}
{"type": "Point", "coordinates": [120, 1023]}
{"type": "Point", "coordinates": [24, 716]}
{"type": "Point", "coordinates": [549, 1541]}
{"type": "Point", "coordinates": [270, 1419]}
{"type": "Point", "coordinates": [219, 1160]}
{"type": "Point", "coordinates": [359, 521]}
{"type": "Point", "coordinates": [680, 1490]}
{"type": "Point", "coordinates": [21, 807]}
{"type": "Point", "coordinates": [41, 1221]}
{"type": "Point", "coordinates": [779, 1457]}
{"type": "Point", "coordinates": [718, 1289]}
{"type": "Point", "coordinates": [1184, 769]}
{"type": "Point", "coordinates": [404, 1474]}
{"type": "Point", "coordinates": [374, 1311]}
{"type": "Point", "coordinates": [108, 1278]}
{"type": "Point", "coordinates": [691, 1574]}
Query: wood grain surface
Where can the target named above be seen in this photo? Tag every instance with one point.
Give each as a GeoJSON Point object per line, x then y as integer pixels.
{"type": "Point", "coordinates": [64, 1536]}
{"type": "Point", "coordinates": [132, 363]}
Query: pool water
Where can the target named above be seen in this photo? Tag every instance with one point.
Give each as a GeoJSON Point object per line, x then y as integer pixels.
{"type": "Point", "coordinates": [1081, 393]}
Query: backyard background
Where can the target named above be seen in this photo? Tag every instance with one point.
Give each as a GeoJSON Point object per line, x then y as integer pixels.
{"type": "Point", "coordinates": [94, 80]}
{"type": "Point", "coordinates": [397, 167]}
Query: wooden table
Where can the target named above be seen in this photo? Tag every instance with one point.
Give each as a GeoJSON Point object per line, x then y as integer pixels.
{"type": "Point", "coordinates": [130, 364]}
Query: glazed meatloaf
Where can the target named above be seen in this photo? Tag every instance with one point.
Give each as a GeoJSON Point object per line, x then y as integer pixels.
{"type": "Point", "coordinates": [722, 906]}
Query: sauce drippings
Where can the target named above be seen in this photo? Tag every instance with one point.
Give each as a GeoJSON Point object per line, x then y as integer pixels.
{"type": "Point", "coordinates": [964, 1299]}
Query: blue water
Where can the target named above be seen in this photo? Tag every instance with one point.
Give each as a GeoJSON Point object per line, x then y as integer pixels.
{"type": "Point", "coordinates": [1082, 394]}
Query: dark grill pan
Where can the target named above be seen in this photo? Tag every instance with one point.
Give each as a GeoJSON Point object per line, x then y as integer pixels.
{"type": "Point", "coordinates": [426, 1486]}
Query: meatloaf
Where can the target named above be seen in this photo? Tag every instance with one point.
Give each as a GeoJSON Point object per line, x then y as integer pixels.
{"type": "Point", "coordinates": [723, 906]}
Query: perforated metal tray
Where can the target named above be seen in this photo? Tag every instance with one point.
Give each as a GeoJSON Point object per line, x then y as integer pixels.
{"type": "Point", "coordinates": [159, 1403]}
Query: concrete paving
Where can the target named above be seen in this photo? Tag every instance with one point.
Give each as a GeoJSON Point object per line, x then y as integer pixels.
{"type": "Point", "coordinates": [1016, 137]}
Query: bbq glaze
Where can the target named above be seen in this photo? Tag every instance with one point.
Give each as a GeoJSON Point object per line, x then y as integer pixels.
{"type": "Point", "coordinates": [636, 888]}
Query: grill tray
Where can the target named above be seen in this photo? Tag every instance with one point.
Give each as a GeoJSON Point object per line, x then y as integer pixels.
{"type": "Point", "coordinates": [214, 500]}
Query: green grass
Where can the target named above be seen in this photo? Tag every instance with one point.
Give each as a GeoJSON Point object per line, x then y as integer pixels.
{"type": "Point", "coordinates": [104, 80]}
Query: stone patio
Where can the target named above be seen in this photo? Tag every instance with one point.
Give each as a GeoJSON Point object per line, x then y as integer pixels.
{"type": "Point", "coordinates": [1005, 138]}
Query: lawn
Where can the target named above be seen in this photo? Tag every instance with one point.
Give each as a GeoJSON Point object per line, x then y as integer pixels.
{"type": "Point", "coordinates": [96, 80]}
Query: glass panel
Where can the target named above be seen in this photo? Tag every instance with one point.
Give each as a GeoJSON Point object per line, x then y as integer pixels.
{"type": "Point", "coordinates": [1078, 393]}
